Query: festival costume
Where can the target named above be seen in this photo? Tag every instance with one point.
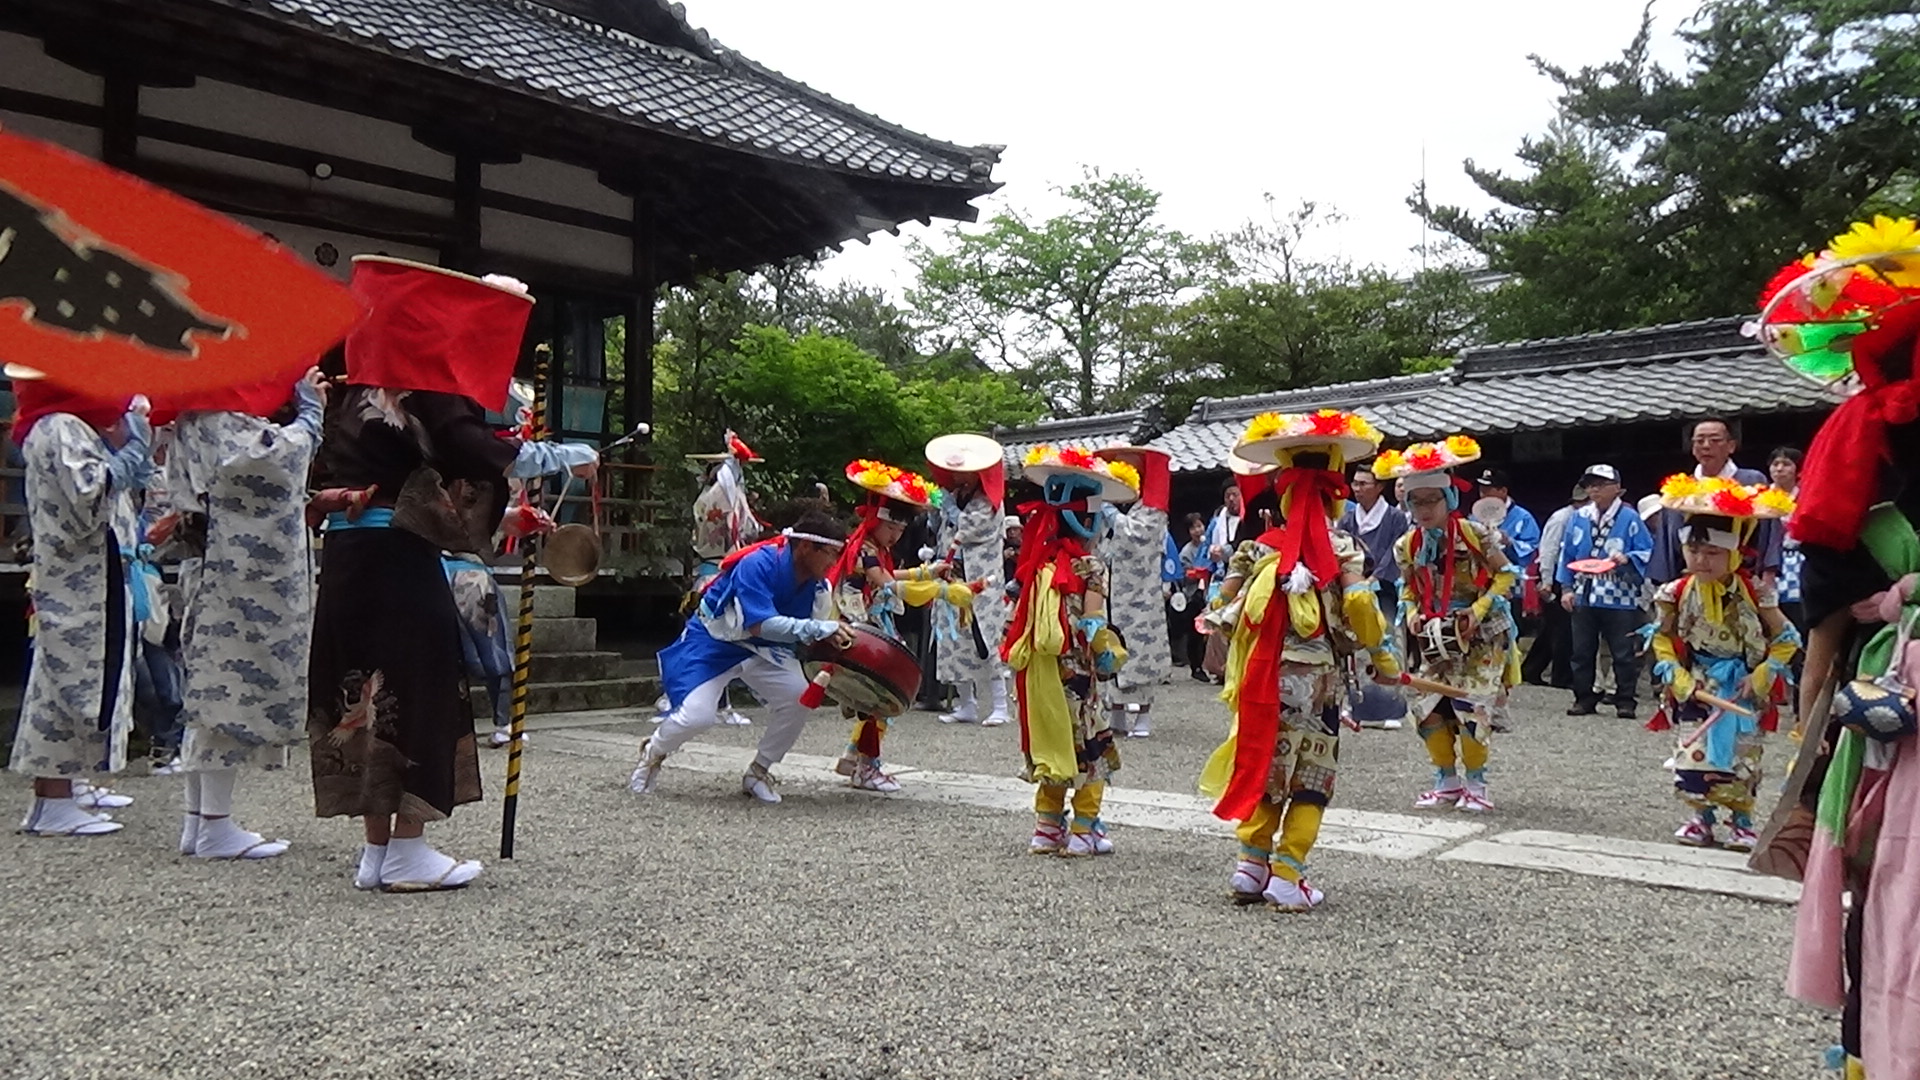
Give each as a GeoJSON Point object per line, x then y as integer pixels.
{"type": "Point", "coordinates": [1849, 822]}
{"type": "Point", "coordinates": [1455, 584]}
{"type": "Point", "coordinates": [249, 599]}
{"type": "Point", "coordinates": [1298, 605]}
{"type": "Point", "coordinates": [78, 706]}
{"type": "Point", "coordinates": [1726, 638]}
{"type": "Point", "coordinates": [869, 589]}
{"type": "Point", "coordinates": [723, 519]}
{"type": "Point", "coordinates": [1133, 546]}
{"type": "Point", "coordinates": [1061, 650]}
{"type": "Point", "coordinates": [972, 537]}
{"type": "Point", "coordinates": [749, 618]}
{"type": "Point", "coordinates": [390, 725]}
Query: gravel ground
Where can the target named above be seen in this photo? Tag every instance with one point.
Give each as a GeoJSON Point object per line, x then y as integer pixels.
{"type": "Point", "coordinates": [695, 934]}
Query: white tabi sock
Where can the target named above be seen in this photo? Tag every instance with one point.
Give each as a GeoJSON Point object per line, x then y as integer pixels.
{"type": "Point", "coordinates": [219, 837]}
{"type": "Point", "coordinates": [190, 820]}
{"type": "Point", "coordinates": [411, 865]}
{"type": "Point", "coordinates": [64, 817]}
{"type": "Point", "coordinates": [372, 857]}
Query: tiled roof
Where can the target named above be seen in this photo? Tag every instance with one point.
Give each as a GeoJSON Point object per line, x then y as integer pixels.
{"type": "Point", "coordinates": [1091, 432]}
{"type": "Point", "coordinates": [688, 86]}
{"type": "Point", "coordinates": [1654, 373]}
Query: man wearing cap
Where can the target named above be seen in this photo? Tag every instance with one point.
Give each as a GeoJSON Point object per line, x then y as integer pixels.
{"type": "Point", "coordinates": [1601, 573]}
{"type": "Point", "coordinates": [1553, 646]}
{"type": "Point", "coordinates": [1518, 528]}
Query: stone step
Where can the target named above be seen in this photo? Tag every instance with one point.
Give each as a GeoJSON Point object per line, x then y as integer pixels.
{"type": "Point", "coordinates": [564, 635]}
{"type": "Point", "coordinates": [578, 696]}
{"type": "Point", "coordinates": [580, 667]}
{"type": "Point", "coordinates": [549, 601]}
{"type": "Point", "coordinates": [635, 669]}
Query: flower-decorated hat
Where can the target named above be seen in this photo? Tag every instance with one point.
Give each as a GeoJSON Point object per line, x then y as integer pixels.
{"type": "Point", "coordinates": [1270, 435]}
{"type": "Point", "coordinates": [1119, 482]}
{"type": "Point", "coordinates": [953, 457]}
{"type": "Point", "coordinates": [1426, 465]}
{"type": "Point", "coordinates": [893, 493]}
{"type": "Point", "coordinates": [1153, 470]}
{"type": "Point", "coordinates": [1250, 477]}
{"type": "Point", "coordinates": [1719, 511]}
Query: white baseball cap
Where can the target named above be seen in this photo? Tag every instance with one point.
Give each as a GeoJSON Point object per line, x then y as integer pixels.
{"type": "Point", "coordinates": [1603, 472]}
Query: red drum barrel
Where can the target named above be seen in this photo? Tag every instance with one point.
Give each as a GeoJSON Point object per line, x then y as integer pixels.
{"type": "Point", "coordinates": [876, 676]}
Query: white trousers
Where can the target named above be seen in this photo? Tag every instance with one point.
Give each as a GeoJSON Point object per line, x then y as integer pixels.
{"type": "Point", "coordinates": [778, 684]}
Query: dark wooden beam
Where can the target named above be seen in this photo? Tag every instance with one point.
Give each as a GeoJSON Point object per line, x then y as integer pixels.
{"type": "Point", "coordinates": [464, 253]}
{"type": "Point", "coordinates": [257, 198]}
{"type": "Point", "coordinates": [638, 354]}
{"type": "Point", "coordinates": [119, 121]}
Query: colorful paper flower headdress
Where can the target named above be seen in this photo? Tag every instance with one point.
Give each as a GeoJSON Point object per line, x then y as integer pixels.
{"type": "Point", "coordinates": [1119, 481]}
{"type": "Point", "coordinates": [1433, 457]}
{"type": "Point", "coordinates": [1269, 434]}
{"type": "Point", "coordinates": [893, 483]}
{"type": "Point", "coordinates": [1721, 497]}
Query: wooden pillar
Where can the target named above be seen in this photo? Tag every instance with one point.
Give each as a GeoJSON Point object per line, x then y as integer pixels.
{"type": "Point", "coordinates": [464, 253]}
{"type": "Point", "coordinates": [120, 121]}
{"type": "Point", "coordinates": [639, 343]}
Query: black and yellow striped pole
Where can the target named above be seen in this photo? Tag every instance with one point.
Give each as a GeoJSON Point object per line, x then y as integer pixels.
{"type": "Point", "coordinates": [523, 626]}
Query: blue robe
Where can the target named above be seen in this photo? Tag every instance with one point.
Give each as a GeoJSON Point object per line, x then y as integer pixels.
{"type": "Point", "coordinates": [762, 584]}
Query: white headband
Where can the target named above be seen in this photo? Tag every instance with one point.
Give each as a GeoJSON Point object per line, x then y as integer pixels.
{"type": "Point", "coordinates": [1719, 538]}
{"type": "Point", "coordinates": [1419, 480]}
{"type": "Point", "coordinates": [815, 537]}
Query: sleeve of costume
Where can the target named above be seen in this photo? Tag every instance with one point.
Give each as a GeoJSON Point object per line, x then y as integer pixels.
{"type": "Point", "coordinates": [542, 458]}
{"type": "Point", "coordinates": [753, 585]}
{"type": "Point", "coordinates": [1639, 542]}
{"type": "Point", "coordinates": [1525, 536]}
{"type": "Point", "coordinates": [71, 465]}
{"type": "Point", "coordinates": [1666, 643]}
{"type": "Point", "coordinates": [979, 523]}
{"type": "Point", "coordinates": [1551, 535]}
{"type": "Point", "coordinates": [460, 436]}
{"type": "Point", "coordinates": [1576, 531]}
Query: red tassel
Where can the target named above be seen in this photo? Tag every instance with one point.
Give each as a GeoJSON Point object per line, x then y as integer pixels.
{"type": "Point", "coordinates": [1770, 720]}
{"type": "Point", "coordinates": [1659, 721]}
{"type": "Point", "coordinates": [815, 695]}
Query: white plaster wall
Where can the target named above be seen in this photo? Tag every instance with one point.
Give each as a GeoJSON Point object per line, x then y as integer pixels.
{"type": "Point", "coordinates": [24, 65]}
{"type": "Point", "coordinates": [557, 182]}
{"type": "Point", "coordinates": [304, 241]}
{"type": "Point", "coordinates": [77, 137]}
{"type": "Point", "coordinates": [564, 244]}
{"type": "Point", "coordinates": [243, 111]}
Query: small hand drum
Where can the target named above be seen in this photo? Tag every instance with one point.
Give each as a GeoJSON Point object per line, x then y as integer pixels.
{"type": "Point", "coordinates": [876, 676]}
{"type": "Point", "coordinates": [1439, 640]}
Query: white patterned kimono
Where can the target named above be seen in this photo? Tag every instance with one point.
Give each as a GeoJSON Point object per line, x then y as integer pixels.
{"type": "Point", "coordinates": [975, 535]}
{"type": "Point", "coordinates": [249, 622]}
{"type": "Point", "coordinates": [1134, 551]}
{"type": "Point", "coordinates": [82, 528]}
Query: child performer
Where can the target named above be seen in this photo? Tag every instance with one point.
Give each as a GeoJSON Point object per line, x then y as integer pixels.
{"type": "Point", "coordinates": [1060, 648]}
{"type": "Point", "coordinates": [1719, 640]}
{"type": "Point", "coordinates": [1455, 579]}
{"type": "Point", "coordinates": [1299, 604]}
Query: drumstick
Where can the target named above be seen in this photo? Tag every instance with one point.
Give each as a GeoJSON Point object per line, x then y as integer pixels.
{"type": "Point", "coordinates": [1720, 703]}
{"type": "Point", "coordinates": [1428, 686]}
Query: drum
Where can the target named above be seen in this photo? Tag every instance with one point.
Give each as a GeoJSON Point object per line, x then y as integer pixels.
{"type": "Point", "coordinates": [1439, 641]}
{"type": "Point", "coordinates": [875, 676]}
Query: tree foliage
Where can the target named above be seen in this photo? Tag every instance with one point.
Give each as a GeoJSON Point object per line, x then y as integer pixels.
{"type": "Point", "coordinates": [1057, 300]}
{"type": "Point", "coordinates": [1664, 195]}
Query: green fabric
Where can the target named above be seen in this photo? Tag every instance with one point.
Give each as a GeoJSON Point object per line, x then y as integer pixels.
{"type": "Point", "coordinates": [1836, 793]}
{"type": "Point", "coordinates": [1890, 538]}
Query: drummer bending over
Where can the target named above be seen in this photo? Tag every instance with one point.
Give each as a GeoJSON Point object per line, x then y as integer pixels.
{"type": "Point", "coordinates": [870, 590]}
{"type": "Point", "coordinates": [765, 600]}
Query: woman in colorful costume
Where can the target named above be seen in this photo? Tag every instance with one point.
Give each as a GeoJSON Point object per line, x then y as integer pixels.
{"type": "Point", "coordinates": [84, 460]}
{"type": "Point", "coordinates": [1060, 648]}
{"type": "Point", "coordinates": [972, 470]}
{"type": "Point", "coordinates": [766, 599]}
{"type": "Point", "coordinates": [1133, 545]}
{"type": "Point", "coordinates": [249, 605]}
{"type": "Point", "coordinates": [390, 725]}
{"type": "Point", "coordinates": [1454, 583]}
{"type": "Point", "coordinates": [1298, 603]}
{"type": "Point", "coordinates": [1719, 634]}
{"type": "Point", "coordinates": [869, 589]}
{"type": "Point", "coordinates": [723, 519]}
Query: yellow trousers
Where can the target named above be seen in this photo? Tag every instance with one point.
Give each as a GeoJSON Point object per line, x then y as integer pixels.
{"type": "Point", "coordinates": [1439, 733]}
{"type": "Point", "coordinates": [867, 733]}
{"type": "Point", "coordinates": [1050, 804]}
{"type": "Point", "coordinates": [1298, 825]}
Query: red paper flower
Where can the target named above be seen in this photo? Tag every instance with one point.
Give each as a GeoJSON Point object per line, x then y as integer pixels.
{"type": "Point", "coordinates": [1427, 458]}
{"type": "Point", "coordinates": [1328, 423]}
{"type": "Point", "coordinates": [1076, 457]}
{"type": "Point", "coordinates": [1733, 503]}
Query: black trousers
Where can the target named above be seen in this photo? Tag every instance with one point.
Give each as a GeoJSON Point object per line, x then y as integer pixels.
{"type": "Point", "coordinates": [1552, 648]}
{"type": "Point", "coordinates": [1617, 627]}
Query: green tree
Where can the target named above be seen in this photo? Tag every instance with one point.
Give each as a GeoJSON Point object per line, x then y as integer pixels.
{"type": "Point", "coordinates": [1054, 301]}
{"type": "Point", "coordinates": [1663, 195]}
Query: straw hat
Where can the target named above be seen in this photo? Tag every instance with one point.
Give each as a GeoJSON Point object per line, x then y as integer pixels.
{"type": "Point", "coordinates": [1119, 482]}
{"type": "Point", "coordinates": [1270, 433]}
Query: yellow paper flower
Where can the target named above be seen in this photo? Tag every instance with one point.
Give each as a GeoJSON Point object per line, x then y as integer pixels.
{"type": "Point", "coordinates": [1364, 429]}
{"type": "Point", "coordinates": [1893, 237]}
{"type": "Point", "coordinates": [1463, 447]}
{"type": "Point", "coordinates": [1679, 486]}
{"type": "Point", "coordinates": [1387, 462]}
{"type": "Point", "coordinates": [1775, 501]}
{"type": "Point", "coordinates": [1037, 455]}
{"type": "Point", "coordinates": [1125, 473]}
{"type": "Point", "coordinates": [1264, 426]}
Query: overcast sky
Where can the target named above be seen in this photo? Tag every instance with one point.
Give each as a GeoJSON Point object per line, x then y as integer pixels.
{"type": "Point", "coordinates": [1213, 102]}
